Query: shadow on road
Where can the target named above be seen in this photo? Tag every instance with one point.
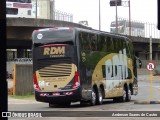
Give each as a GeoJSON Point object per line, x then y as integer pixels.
{"type": "Point", "coordinates": [78, 105]}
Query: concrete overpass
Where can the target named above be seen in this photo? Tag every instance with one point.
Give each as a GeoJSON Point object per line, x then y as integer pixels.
{"type": "Point", "coordinates": [19, 31]}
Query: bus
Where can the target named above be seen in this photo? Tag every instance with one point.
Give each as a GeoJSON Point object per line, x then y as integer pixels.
{"type": "Point", "coordinates": [137, 28]}
{"type": "Point", "coordinates": [75, 64]}
{"type": "Point", "coordinates": [19, 8]}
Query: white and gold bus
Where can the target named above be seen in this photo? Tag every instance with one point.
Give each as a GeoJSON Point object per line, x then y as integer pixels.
{"type": "Point", "coordinates": [74, 64]}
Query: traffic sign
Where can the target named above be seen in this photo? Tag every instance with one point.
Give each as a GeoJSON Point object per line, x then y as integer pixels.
{"type": "Point", "coordinates": [150, 66]}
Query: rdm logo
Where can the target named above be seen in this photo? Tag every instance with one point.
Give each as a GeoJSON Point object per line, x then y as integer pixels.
{"type": "Point", "coordinates": [54, 51]}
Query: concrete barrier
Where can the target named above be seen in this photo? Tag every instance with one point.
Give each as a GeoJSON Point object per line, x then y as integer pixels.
{"type": "Point", "coordinates": [22, 79]}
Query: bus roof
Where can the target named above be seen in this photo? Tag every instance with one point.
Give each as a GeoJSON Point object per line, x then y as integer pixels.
{"type": "Point", "coordinates": [75, 29]}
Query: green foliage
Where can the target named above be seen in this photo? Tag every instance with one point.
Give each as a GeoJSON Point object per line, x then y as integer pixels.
{"type": "Point", "coordinates": [157, 71]}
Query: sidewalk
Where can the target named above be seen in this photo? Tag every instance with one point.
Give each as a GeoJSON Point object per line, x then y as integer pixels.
{"type": "Point", "coordinates": [151, 80]}
{"type": "Point", "coordinates": [147, 77]}
{"type": "Point", "coordinates": [12, 100]}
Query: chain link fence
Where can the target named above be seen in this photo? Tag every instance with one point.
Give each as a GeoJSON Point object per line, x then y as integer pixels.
{"type": "Point", "coordinates": [63, 16]}
{"type": "Point", "coordinates": [138, 28]}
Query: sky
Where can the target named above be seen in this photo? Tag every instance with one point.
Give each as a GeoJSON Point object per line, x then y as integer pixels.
{"type": "Point", "coordinates": [88, 10]}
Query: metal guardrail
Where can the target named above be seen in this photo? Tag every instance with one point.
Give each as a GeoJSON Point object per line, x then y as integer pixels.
{"type": "Point", "coordinates": [150, 29]}
{"type": "Point", "coordinates": [23, 60]}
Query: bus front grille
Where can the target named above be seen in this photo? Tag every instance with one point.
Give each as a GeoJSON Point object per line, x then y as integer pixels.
{"type": "Point", "coordinates": [55, 68]}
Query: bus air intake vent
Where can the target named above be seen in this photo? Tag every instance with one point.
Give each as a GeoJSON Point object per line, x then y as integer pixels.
{"type": "Point", "coordinates": [55, 67]}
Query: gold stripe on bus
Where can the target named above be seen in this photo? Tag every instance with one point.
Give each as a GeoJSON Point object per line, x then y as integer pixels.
{"type": "Point", "coordinates": [59, 80]}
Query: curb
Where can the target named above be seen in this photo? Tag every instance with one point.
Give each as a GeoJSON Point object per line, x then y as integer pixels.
{"type": "Point", "coordinates": [147, 102]}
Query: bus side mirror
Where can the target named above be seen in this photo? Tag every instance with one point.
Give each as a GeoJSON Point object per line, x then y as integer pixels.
{"type": "Point", "coordinates": [139, 61]}
{"type": "Point", "coordinates": [140, 64]}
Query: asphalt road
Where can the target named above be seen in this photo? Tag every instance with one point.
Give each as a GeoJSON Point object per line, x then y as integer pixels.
{"type": "Point", "coordinates": [147, 91]}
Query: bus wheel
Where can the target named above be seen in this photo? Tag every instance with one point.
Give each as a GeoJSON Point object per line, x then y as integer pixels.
{"type": "Point", "coordinates": [100, 97]}
{"type": "Point", "coordinates": [129, 95]}
{"type": "Point", "coordinates": [93, 97]}
{"type": "Point", "coordinates": [123, 98]}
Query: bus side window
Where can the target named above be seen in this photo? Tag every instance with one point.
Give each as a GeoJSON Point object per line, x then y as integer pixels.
{"type": "Point", "coordinates": [93, 42]}
{"type": "Point", "coordinates": [128, 51]}
{"type": "Point", "coordinates": [101, 43]}
{"type": "Point", "coordinates": [117, 46]}
{"type": "Point", "coordinates": [130, 46]}
{"type": "Point", "coordinates": [120, 45]}
{"type": "Point", "coordinates": [129, 74]}
{"type": "Point", "coordinates": [83, 37]}
{"type": "Point", "coordinates": [125, 46]}
{"type": "Point", "coordinates": [110, 45]}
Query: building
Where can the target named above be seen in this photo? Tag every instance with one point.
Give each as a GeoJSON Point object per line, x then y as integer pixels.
{"type": "Point", "coordinates": [45, 9]}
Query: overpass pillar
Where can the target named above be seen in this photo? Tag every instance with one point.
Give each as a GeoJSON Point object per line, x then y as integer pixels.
{"type": "Point", "coordinates": [20, 53]}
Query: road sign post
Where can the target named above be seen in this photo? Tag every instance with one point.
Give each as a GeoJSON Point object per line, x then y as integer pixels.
{"type": "Point", "coordinates": [150, 67]}
{"type": "Point", "coordinates": [150, 84]}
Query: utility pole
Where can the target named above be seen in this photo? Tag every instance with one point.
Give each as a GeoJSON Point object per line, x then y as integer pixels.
{"type": "Point", "coordinates": [116, 3]}
{"type": "Point", "coordinates": [51, 9]}
{"type": "Point", "coordinates": [150, 51]}
{"type": "Point", "coordinates": [129, 17]}
{"type": "Point", "coordinates": [36, 9]}
{"type": "Point", "coordinates": [99, 14]}
{"type": "Point", "coordinates": [116, 18]}
{"type": "Point", "coordinates": [150, 48]}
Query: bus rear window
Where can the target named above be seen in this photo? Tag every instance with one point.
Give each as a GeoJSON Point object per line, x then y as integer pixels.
{"type": "Point", "coordinates": [53, 36]}
{"type": "Point", "coordinates": [42, 44]}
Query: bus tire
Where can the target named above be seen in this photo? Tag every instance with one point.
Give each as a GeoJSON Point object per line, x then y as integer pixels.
{"type": "Point", "coordinates": [93, 98]}
{"type": "Point", "coordinates": [124, 96]}
{"type": "Point", "coordinates": [99, 97]}
{"type": "Point", "coordinates": [129, 95]}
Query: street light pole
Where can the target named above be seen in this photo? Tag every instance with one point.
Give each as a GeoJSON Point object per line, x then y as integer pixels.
{"type": "Point", "coordinates": [116, 18]}
{"type": "Point", "coordinates": [129, 17]}
{"type": "Point", "coordinates": [99, 14]}
{"type": "Point", "coordinates": [36, 9]}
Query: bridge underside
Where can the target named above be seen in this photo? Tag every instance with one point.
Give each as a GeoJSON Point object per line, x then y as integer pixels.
{"type": "Point", "coordinates": [19, 44]}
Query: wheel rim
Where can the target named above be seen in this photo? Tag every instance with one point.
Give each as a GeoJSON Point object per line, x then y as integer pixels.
{"type": "Point", "coordinates": [100, 97]}
{"type": "Point", "coordinates": [93, 97]}
{"type": "Point", "coordinates": [124, 95]}
{"type": "Point", "coordinates": [129, 95]}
